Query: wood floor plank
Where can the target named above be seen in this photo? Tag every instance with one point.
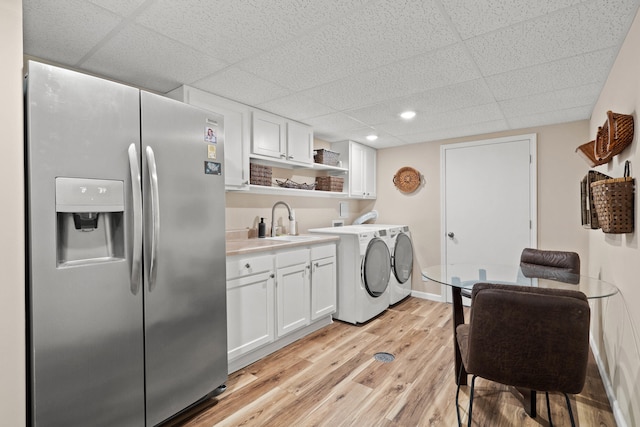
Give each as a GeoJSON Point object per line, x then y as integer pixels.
{"type": "Point", "coordinates": [330, 378]}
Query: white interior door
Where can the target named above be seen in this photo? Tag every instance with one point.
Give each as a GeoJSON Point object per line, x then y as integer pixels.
{"type": "Point", "coordinates": [489, 200]}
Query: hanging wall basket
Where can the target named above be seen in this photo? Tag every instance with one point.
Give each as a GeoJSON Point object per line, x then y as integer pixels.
{"type": "Point", "coordinates": [612, 137]}
{"type": "Point", "coordinates": [614, 203]}
{"type": "Point", "coordinates": [407, 179]}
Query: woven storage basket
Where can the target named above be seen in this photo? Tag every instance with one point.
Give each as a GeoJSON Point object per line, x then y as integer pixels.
{"type": "Point", "coordinates": [329, 183]}
{"type": "Point", "coordinates": [260, 175]}
{"type": "Point", "coordinates": [589, 216]}
{"type": "Point", "coordinates": [614, 203]}
{"type": "Point", "coordinates": [613, 136]}
{"type": "Point", "coordinates": [326, 157]}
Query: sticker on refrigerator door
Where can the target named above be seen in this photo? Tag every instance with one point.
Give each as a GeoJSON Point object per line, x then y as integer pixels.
{"type": "Point", "coordinates": [211, 152]}
{"type": "Point", "coordinates": [211, 133]}
{"type": "Point", "coordinates": [212, 168]}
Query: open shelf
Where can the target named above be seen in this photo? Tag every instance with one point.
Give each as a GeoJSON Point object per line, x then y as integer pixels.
{"type": "Point", "coordinates": [263, 189]}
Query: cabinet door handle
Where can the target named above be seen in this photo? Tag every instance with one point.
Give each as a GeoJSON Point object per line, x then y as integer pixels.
{"type": "Point", "coordinates": [291, 157]}
{"type": "Point", "coordinates": [271, 276]}
{"type": "Point", "coordinates": [247, 266]}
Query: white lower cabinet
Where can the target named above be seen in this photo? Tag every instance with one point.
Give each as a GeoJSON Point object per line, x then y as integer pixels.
{"type": "Point", "coordinates": [323, 281]}
{"type": "Point", "coordinates": [292, 290]}
{"type": "Point", "coordinates": [250, 304]}
{"type": "Point", "coordinates": [277, 297]}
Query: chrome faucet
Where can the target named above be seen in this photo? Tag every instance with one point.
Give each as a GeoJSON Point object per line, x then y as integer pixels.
{"type": "Point", "coordinates": [273, 217]}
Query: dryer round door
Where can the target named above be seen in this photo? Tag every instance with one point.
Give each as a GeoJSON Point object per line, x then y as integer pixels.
{"type": "Point", "coordinates": [403, 258]}
{"type": "Point", "coordinates": [376, 267]}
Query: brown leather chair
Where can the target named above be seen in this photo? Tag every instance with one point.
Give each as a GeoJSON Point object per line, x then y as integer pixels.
{"type": "Point", "coordinates": [527, 337]}
{"type": "Point", "coordinates": [568, 262]}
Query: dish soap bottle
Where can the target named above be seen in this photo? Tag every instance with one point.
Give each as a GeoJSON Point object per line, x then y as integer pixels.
{"type": "Point", "coordinates": [262, 228]}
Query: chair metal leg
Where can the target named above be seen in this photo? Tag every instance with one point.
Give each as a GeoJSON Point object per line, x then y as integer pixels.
{"type": "Point", "coordinates": [457, 394]}
{"type": "Point", "coordinates": [573, 422]}
{"type": "Point", "coordinates": [473, 383]}
{"type": "Point", "coordinates": [546, 393]}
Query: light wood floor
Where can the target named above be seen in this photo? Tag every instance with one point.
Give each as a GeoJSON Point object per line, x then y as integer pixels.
{"type": "Point", "coordinates": [331, 378]}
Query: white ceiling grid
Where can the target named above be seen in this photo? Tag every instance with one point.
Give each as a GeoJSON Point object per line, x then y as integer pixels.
{"type": "Point", "coordinates": [348, 68]}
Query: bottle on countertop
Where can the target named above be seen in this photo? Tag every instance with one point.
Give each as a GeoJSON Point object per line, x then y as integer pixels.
{"type": "Point", "coordinates": [262, 228]}
{"type": "Point", "coordinates": [293, 224]}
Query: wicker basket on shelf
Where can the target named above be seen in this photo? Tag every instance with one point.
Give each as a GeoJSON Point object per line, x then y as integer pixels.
{"type": "Point", "coordinates": [329, 183]}
{"type": "Point", "coordinates": [326, 157]}
{"type": "Point", "coordinates": [614, 203]}
{"type": "Point", "coordinates": [292, 184]}
{"type": "Point", "coordinates": [260, 175]}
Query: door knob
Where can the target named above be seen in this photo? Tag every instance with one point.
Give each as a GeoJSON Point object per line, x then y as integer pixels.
{"type": "Point", "coordinates": [450, 234]}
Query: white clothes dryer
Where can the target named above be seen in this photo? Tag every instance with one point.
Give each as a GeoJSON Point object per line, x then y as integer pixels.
{"type": "Point", "coordinates": [364, 270]}
{"type": "Point", "coordinates": [401, 250]}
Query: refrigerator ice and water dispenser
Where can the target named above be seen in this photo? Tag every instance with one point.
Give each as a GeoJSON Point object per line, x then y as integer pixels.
{"type": "Point", "coordinates": [89, 220]}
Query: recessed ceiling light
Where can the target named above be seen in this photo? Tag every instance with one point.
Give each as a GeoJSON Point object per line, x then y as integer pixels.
{"type": "Point", "coordinates": [407, 115]}
{"type": "Point", "coordinates": [372, 137]}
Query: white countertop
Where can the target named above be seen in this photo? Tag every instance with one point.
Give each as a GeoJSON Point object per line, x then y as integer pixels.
{"type": "Point", "coordinates": [247, 246]}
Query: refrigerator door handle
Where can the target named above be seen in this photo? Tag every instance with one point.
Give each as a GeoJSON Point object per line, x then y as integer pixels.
{"type": "Point", "coordinates": [155, 216]}
{"type": "Point", "coordinates": [136, 192]}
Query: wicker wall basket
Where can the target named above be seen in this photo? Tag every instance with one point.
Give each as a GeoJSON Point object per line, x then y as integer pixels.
{"type": "Point", "coordinates": [614, 203]}
{"type": "Point", "coordinates": [589, 216]}
{"type": "Point", "coordinates": [614, 136]}
{"type": "Point", "coordinates": [587, 152]}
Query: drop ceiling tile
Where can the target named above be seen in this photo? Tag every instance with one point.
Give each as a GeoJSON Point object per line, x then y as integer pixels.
{"type": "Point", "coordinates": [121, 7]}
{"type": "Point", "coordinates": [360, 135]}
{"type": "Point", "coordinates": [381, 33]}
{"type": "Point", "coordinates": [141, 57]}
{"type": "Point", "coordinates": [579, 70]}
{"type": "Point", "coordinates": [472, 18]}
{"type": "Point", "coordinates": [569, 32]}
{"type": "Point", "coordinates": [551, 101]}
{"type": "Point", "coordinates": [551, 117]}
{"type": "Point", "coordinates": [457, 132]}
{"type": "Point", "coordinates": [296, 106]}
{"type": "Point", "coordinates": [234, 30]}
{"type": "Point", "coordinates": [461, 95]}
{"type": "Point", "coordinates": [452, 119]}
{"type": "Point", "coordinates": [64, 33]}
{"type": "Point", "coordinates": [335, 122]}
{"type": "Point", "coordinates": [241, 86]}
{"type": "Point", "coordinates": [441, 67]}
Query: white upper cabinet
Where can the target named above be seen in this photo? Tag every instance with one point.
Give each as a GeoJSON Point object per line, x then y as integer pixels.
{"type": "Point", "coordinates": [280, 139]}
{"type": "Point", "coordinates": [269, 135]}
{"type": "Point", "coordinates": [299, 143]}
{"type": "Point", "coordinates": [237, 132]}
{"type": "Point", "coordinates": [362, 168]}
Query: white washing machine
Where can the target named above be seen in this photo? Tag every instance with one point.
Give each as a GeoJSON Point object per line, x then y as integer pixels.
{"type": "Point", "coordinates": [398, 238]}
{"type": "Point", "coordinates": [364, 270]}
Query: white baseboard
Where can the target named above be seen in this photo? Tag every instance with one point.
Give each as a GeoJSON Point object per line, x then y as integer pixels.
{"type": "Point", "coordinates": [613, 401]}
{"type": "Point", "coordinates": [429, 296]}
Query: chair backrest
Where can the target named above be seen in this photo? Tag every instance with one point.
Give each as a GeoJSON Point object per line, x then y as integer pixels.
{"type": "Point", "coordinates": [529, 337]}
{"type": "Point", "coordinates": [559, 261]}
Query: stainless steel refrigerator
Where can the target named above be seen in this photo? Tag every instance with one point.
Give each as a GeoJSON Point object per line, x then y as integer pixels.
{"type": "Point", "coordinates": [126, 252]}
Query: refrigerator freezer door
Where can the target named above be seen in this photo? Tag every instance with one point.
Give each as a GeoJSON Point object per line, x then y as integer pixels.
{"type": "Point", "coordinates": [86, 337]}
{"type": "Point", "coordinates": [185, 305]}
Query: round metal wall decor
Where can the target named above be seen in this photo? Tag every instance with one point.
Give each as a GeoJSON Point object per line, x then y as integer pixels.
{"type": "Point", "coordinates": [407, 179]}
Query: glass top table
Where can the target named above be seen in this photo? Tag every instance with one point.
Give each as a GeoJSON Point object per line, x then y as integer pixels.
{"type": "Point", "coordinates": [462, 277]}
